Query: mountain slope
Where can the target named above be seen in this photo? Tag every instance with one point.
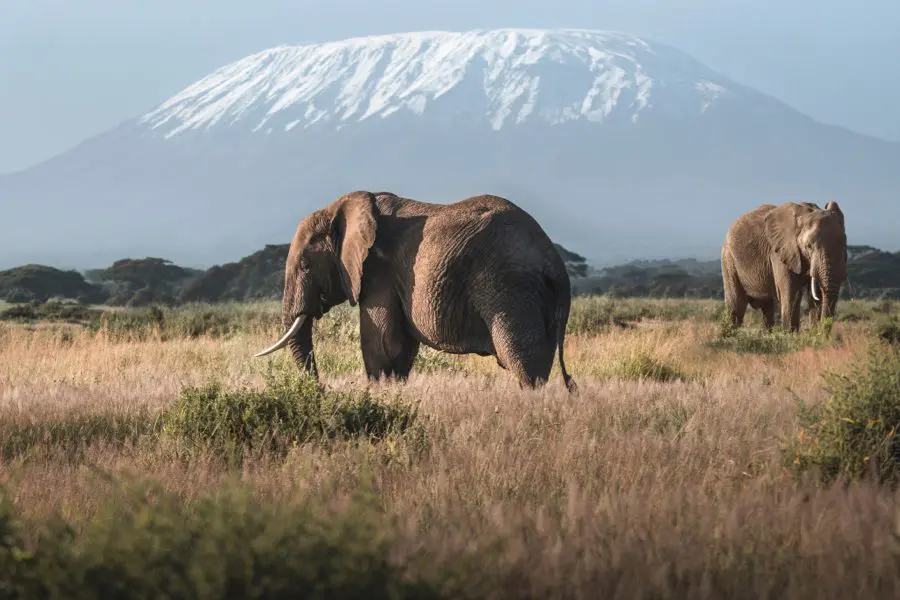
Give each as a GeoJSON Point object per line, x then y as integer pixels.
{"type": "Point", "coordinates": [619, 147]}
{"type": "Point", "coordinates": [503, 77]}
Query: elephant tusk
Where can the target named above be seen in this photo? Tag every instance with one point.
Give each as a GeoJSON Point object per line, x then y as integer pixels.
{"type": "Point", "coordinates": [812, 285]}
{"type": "Point", "coordinates": [298, 322]}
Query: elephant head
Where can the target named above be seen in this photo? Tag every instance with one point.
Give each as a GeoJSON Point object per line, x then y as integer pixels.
{"type": "Point", "coordinates": [810, 240]}
{"type": "Point", "coordinates": [324, 268]}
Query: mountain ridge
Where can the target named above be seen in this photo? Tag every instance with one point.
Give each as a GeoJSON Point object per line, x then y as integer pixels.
{"type": "Point", "coordinates": [381, 75]}
{"type": "Point", "coordinates": [666, 183]}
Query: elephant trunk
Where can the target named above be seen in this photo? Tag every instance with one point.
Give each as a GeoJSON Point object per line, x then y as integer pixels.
{"type": "Point", "coordinates": [829, 287]}
{"type": "Point", "coordinates": [298, 338]}
{"type": "Point", "coordinates": [301, 347]}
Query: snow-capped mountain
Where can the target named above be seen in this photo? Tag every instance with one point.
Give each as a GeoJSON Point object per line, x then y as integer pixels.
{"type": "Point", "coordinates": [504, 77]}
{"type": "Point", "coordinates": [620, 147]}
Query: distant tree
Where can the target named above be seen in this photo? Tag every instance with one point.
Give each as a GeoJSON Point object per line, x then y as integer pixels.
{"type": "Point", "coordinates": [143, 281]}
{"type": "Point", "coordinates": [576, 265]}
{"type": "Point", "coordinates": [255, 277]}
{"type": "Point", "coordinates": [873, 273]}
{"type": "Point", "coordinates": [40, 283]}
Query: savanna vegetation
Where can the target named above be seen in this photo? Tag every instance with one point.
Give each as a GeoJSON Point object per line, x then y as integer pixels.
{"type": "Point", "coordinates": [143, 453]}
{"type": "Point", "coordinates": [260, 276]}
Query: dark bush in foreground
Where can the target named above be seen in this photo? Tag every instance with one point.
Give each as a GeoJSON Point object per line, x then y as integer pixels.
{"type": "Point", "coordinates": [225, 545]}
{"type": "Point", "coordinates": [292, 409]}
{"type": "Point", "coordinates": [854, 431]}
{"type": "Point", "coordinates": [146, 543]}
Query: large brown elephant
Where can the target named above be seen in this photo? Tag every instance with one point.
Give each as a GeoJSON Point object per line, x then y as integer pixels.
{"type": "Point", "coordinates": [774, 253]}
{"type": "Point", "coordinates": [477, 276]}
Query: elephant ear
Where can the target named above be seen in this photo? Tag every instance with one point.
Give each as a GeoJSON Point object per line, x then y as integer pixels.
{"type": "Point", "coordinates": [782, 230]}
{"type": "Point", "coordinates": [353, 228]}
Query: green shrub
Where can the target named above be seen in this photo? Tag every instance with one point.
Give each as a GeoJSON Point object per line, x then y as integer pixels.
{"type": "Point", "coordinates": [854, 431]}
{"type": "Point", "coordinates": [226, 544]}
{"type": "Point", "coordinates": [750, 340]}
{"type": "Point", "coordinates": [292, 409]}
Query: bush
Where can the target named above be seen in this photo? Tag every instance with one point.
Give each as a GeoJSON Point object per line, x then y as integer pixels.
{"type": "Point", "coordinates": [19, 296]}
{"type": "Point", "coordinates": [854, 431]}
{"type": "Point", "coordinates": [777, 341]}
{"type": "Point", "coordinates": [292, 409]}
{"type": "Point", "coordinates": [226, 544]}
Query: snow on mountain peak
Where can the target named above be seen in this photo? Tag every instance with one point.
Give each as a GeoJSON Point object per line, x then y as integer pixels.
{"type": "Point", "coordinates": [506, 76]}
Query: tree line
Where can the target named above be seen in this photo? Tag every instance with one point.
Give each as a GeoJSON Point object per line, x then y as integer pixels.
{"type": "Point", "coordinates": [150, 281]}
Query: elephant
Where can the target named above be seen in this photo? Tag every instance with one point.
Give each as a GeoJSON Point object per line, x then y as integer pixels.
{"type": "Point", "coordinates": [773, 253]}
{"type": "Point", "coordinates": [478, 276]}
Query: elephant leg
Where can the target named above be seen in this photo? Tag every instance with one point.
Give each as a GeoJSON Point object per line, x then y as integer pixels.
{"type": "Point", "coordinates": [736, 299]}
{"type": "Point", "coordinates": [790, 308]}
{"type": "Point", "coordinates": [387, 347]}
{"type": "Point", "coordinates": [522, 348]}
{"type": "Point", "coordinates": [767, 308]}
{"type": "Point", "coordinates": [795, 312]}
{"type": "Point", "coordinates": [813, 308]}
{"type": "Point", "coordinates": [375, 360]}
{"type": "Point", "coordinates": [402, 363]}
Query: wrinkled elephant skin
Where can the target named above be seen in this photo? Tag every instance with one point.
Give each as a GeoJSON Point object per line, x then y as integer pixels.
{"type": "Point", "coordinates": [476, 276]}
{"type": "Point", "coordinates": [774, 255]}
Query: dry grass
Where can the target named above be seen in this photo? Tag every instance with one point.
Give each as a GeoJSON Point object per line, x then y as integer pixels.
{"type": "Point", "coordinates": [641, 486]}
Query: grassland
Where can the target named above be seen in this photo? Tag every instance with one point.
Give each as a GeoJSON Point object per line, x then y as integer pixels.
{"type": "Point", "coordinates": [146, 452]}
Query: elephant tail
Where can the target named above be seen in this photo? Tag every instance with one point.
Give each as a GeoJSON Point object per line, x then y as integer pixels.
{"type": "Point", "coordinates": [562, 318]}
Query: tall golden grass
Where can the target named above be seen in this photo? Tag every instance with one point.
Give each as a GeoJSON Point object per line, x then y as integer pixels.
{"type": "Point", "coordinates": [640, 486]}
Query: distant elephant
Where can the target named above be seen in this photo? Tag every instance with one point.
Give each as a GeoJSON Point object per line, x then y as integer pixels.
{"type": "Point", "coordinates": [477, 276]}
{"type": "Point", "coordinates": [773, 253]}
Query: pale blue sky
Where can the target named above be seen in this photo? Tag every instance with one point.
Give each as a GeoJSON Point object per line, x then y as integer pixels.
{"type": "Point", "coordinates": [71, 69]}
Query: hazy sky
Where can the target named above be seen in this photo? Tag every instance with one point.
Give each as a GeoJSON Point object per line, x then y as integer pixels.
{"type": "Point", "coordinates": [71, 69]}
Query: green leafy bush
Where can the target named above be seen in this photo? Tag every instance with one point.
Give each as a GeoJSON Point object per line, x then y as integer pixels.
{"type": "Point", "coordinates": [750, 340]}
{"type": "Point", "coordinates": [226, 544]}
{"type": "Point", "coordinates": [292, 409]}
{"type": "Point", "coordinates": [854, 431]}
